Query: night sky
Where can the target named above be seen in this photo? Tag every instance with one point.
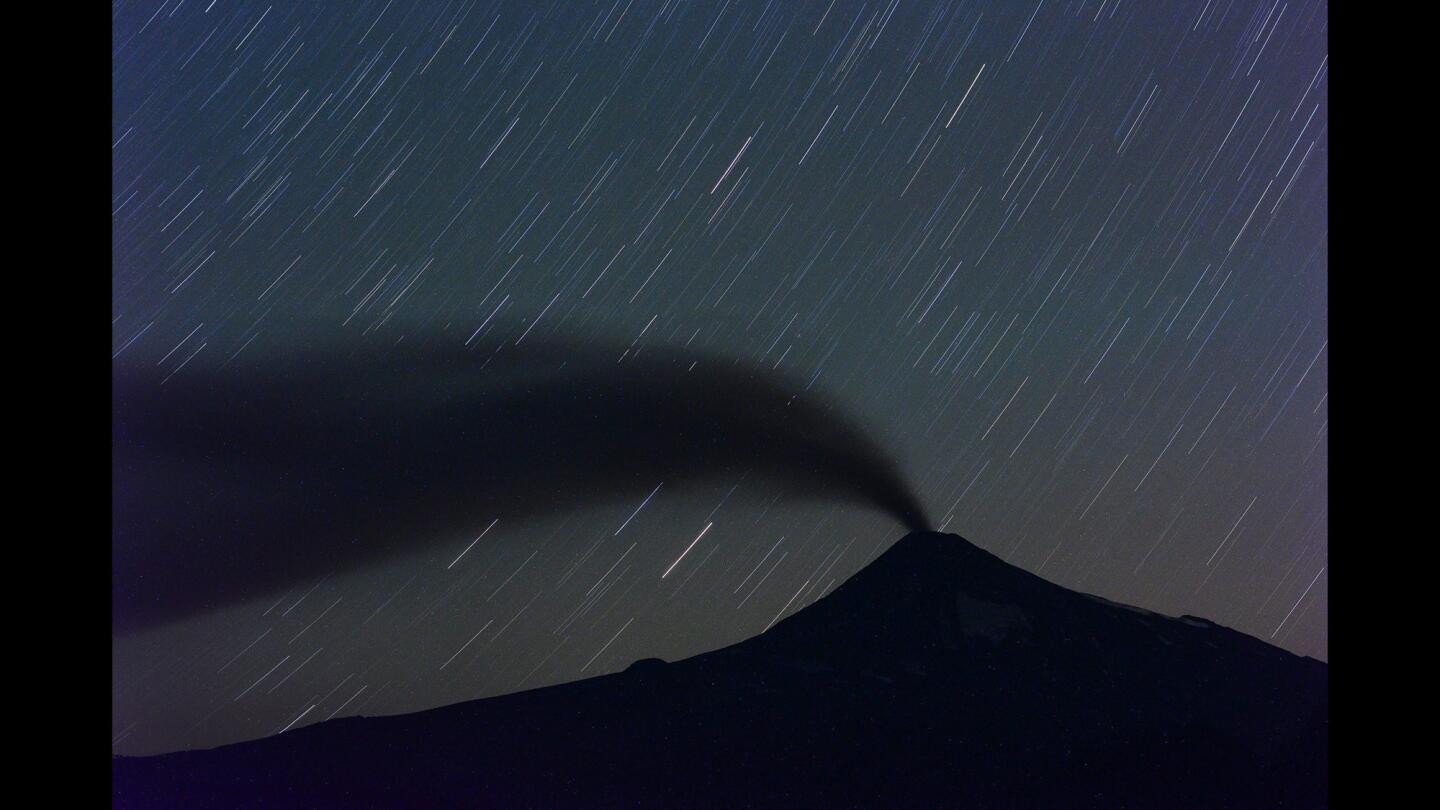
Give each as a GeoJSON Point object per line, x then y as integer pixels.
{"type": "Point", "coordinates": [1066, 262]}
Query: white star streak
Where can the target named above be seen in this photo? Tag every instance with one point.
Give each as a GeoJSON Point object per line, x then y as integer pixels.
{"type": "Point", "coordinates": [687, 550]}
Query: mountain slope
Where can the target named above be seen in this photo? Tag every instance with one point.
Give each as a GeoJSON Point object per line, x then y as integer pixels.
{"type": "Point", "coordinates": [937, 676]}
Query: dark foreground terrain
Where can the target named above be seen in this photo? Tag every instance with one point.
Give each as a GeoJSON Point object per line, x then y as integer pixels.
{"type": "Point", "coordinates": [938, 676]}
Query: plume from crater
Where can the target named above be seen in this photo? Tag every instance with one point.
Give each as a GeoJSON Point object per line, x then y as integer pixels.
{"type": "Point", "coordinates": [233, 481]}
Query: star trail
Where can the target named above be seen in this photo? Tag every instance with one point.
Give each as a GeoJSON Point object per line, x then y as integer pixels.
{"type": "Point", "coordinates": [1065, 261]}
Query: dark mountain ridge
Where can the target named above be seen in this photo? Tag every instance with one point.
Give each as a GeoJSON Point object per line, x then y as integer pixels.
{"type": "Point", "coordinates": [937, 676]}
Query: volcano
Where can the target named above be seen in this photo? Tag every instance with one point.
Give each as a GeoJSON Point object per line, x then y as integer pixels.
{"type": "Point", "coordinates": [937, 676]}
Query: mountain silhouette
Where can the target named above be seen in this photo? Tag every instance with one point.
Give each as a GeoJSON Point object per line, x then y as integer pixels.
{"type": "Point", "coordinates": [937, 676]}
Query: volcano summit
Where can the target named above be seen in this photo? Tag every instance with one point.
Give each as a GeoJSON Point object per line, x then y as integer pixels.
{"type": "Point", "coordinates": [937, 676]}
